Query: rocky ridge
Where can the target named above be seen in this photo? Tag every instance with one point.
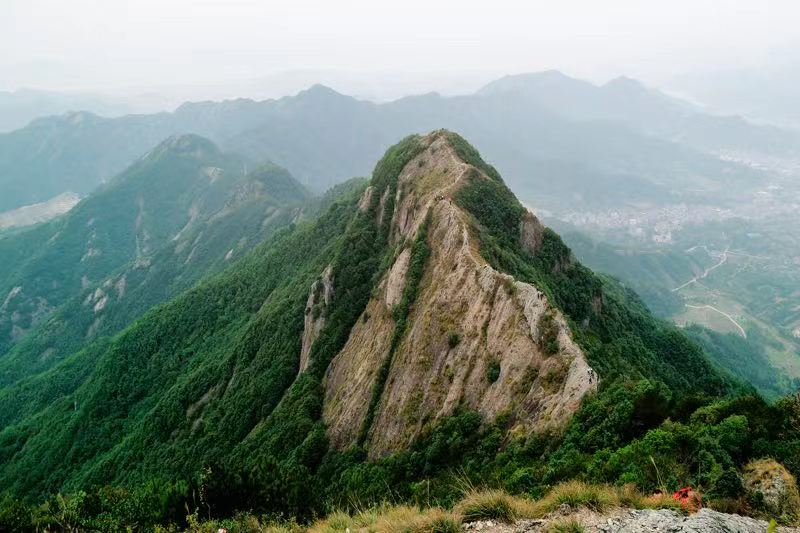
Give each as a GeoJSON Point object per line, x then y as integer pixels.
{"type": "Point", "coordinates": [475, 337]}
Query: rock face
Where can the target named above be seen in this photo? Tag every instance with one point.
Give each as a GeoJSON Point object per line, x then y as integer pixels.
{"type": "Point", "coordinates": [773, 488]}
{"type": "Point", "coordinates": [319, 297]}
{"type": "Point", "coordinates": [475, 337]}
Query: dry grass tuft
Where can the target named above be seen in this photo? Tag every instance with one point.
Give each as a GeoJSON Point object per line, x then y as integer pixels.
{"type": "Point", "coordinates": [390, 519]}
{"type": "Point", "coordinates": [566, 526]}
{"type": "Point", "coordinates": [578, 494]}
{"type": "Point", "coordinates": [413, 520]}
{"type": "Point", "coordinates": [494, 505]}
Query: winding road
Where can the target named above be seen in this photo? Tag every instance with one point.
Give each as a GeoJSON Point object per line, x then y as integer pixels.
{"type": "Point", "coordinates": [723, 313]}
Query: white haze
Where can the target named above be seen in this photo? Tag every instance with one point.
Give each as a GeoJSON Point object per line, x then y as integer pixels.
{"type": "Point", "coordinates": [171, 50]}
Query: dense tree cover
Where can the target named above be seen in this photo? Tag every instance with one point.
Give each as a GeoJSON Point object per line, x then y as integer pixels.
{"type": "Point", "coordinates": [746, 358]}
{"type": "Point", "coordinates": [763, 357]}
{"type": "Point", "coordinates": [193, 382]}
{"type": "Point", "coordinates": [219, 219]}
{"type": "Point", "coordinates": [629, 432]}
{"type": "Point", "coordinates": [204, 391]}
{"type": "Point", "coordinates": [133, 215]}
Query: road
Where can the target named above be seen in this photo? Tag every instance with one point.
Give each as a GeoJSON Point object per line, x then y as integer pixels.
{"type": "Point", "coordinates": [707, 271]}
{"type": "Point", "coordinates": [723, 313]}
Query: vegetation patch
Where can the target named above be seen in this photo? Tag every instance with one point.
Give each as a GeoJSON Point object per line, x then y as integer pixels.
{"type": "Point", "coordinates": [566, 526]}
{"type": "Point", "coordinates": [492, 505]}
{"type": "Point", "coordinates": [453, 339]}
{"type": "Point", "coordinates": [470, 155]}
{"type": "Point", "coordinates": [548, 333]}
{"type": "Point", "coordinates": [492, 370]}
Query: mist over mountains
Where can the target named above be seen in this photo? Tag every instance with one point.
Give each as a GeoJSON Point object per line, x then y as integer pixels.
{"type": "Point", "coordinates": [531, 126]}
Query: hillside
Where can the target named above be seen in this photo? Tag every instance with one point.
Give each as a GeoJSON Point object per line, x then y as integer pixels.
{"type": "Point", "coordinates": [423, 323]}
{"type": "Point", "coordinates": [182, 211]}
{"type": "Point", "coordinates": [745, 277]}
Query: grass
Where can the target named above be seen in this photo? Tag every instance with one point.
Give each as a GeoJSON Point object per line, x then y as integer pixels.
{"type": "Point", "coordinates": [475, 505]}
{"type": "Point", "coordinates": [488, 505]}
{"type": "Point", "coordinates": [578, 494]}
{"type": "Point", "coordinates": [566, 526]}
{"type": "Point", "coordinates": [391, 519]}
{"type": "Point", "coordinates": [242, 523]}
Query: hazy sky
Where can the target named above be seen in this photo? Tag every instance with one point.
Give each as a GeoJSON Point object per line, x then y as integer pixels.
{"type": "Point", "coordinates": [106, 45]}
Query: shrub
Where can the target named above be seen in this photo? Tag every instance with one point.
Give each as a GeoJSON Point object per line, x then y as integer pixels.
{"type": "Point", "coordinates": [453, 339]}
{"type": "Point", "coordinates": [493, 370]}
{"type": "Point", "coordinates": [727, 485]}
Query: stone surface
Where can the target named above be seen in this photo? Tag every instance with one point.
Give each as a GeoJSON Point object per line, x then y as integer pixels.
{"type": "Point", "coordinates": [637, 521]}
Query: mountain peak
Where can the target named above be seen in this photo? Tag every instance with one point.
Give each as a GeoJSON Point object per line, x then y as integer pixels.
{"type": "Point", "coordinates": [187, 144]}
{"type": "Point", "coordinates": [320, 92]}
{"type": "Point", "coordinates": [626, 84]}
{"type": "Point", "coordinates": [533, 81]}
{"type": "Point", "coordinates": [438, 198]}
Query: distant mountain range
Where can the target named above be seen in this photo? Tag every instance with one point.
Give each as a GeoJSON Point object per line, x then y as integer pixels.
{"type": "Point", "coordinates": [562, 141]}
{"type": "Point", "coordinates": [18, 108]}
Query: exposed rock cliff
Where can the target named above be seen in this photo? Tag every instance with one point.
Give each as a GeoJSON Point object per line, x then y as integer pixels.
{"type": "Point", "coordinates": [473, 337]}
{"type": "Point", "coordinates": [318, 298]}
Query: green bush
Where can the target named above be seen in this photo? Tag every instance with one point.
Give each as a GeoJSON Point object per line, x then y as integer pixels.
{"type": "Point", "coordinates": [453, 339]}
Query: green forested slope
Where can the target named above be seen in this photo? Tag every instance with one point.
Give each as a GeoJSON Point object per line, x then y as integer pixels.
{"type": "Point", "coordinates": [204, 389]}
{"type": "Point", "coordinates": [184, 211]}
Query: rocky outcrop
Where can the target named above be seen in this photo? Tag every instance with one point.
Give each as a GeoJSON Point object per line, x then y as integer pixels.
{"type": "Point", "coordinates": [319, 297]}
{"type": "Point", "coordinates": [531, 232]}
{"type": "Point", "coordinates": [635, 521]}
{"type": "Point", "coordinates": [366, 198]}
{"type": "Point", "coordinates": [396, 280]}
{"type": "Point", "coordinates": [772, 489]}
{"type": "Point", "coordinates": [474, 337]}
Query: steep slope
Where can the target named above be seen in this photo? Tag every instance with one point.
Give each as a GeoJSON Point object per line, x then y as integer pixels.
{"type": "Point", "coordinates": [476, 338]}
{"type": "Point", "coordinates": [141, 209]}
{"type": "Point", "coordinates": [183, 211]}
{"type": "Point", "coordinates": [430, 293]}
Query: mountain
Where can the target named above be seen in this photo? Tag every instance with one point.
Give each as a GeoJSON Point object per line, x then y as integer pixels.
{"type": "Point", "coordinates": [73, 152]}
{"type": "Point", "coordinates": [427, 303]}
{"type": "Point", "coordinates": [619, 144]}
{"type": "Point", "coordinates": [647, 110]}
{"type": "Point", "coordinates": [185, 209]}
{"type": "Point", "coordinates": [735, 277]}
{"type": "Point", "coordinates": [18, 108]}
